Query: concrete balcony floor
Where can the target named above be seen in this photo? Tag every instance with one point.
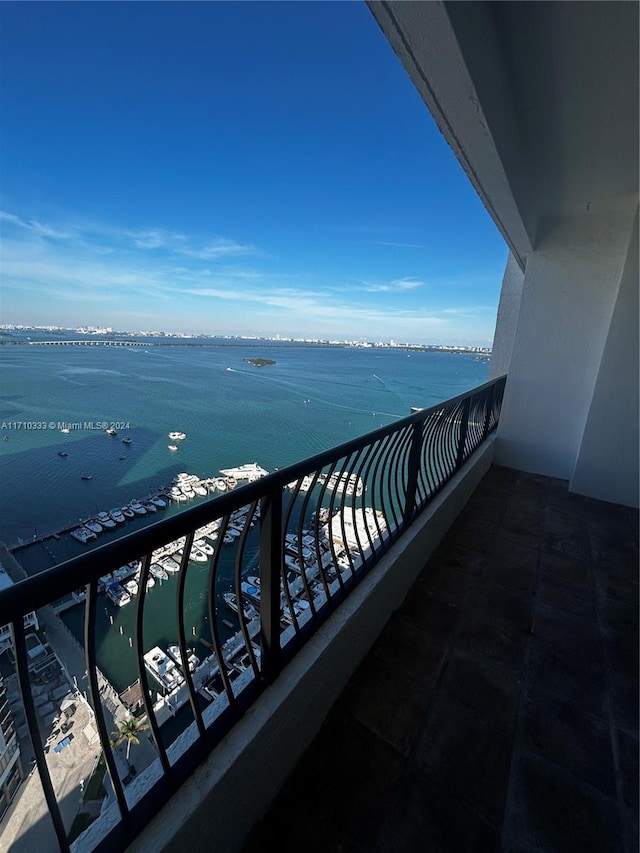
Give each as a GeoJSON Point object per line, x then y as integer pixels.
{"type": "Point", "coordinates": [498, 710]}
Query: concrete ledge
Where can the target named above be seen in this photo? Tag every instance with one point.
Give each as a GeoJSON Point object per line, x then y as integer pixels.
{"type": "Point", "coordinates": [235, 785]}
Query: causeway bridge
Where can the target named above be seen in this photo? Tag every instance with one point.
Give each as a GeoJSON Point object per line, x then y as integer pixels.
{"type": "Point", "coordinates": [87, 343]}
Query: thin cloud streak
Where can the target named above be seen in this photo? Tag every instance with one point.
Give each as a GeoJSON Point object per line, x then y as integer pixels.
{"type": "Point", "coordinates": [397, 245]}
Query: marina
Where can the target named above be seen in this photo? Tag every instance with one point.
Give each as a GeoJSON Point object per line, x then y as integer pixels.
{"type": "Point", "coordinates": [133, 484]}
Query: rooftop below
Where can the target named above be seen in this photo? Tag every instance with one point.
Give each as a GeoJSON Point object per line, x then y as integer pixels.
{"type": "Point", "coordinates": [498, 710]}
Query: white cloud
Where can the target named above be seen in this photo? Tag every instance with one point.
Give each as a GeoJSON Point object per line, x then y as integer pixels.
{"type": "Point", "coordinates": [398, 245]}
{"type": "Point", "coordinates": [193, 282]}
{"type": "Point", "coordinates": [398, 285]}
{"type": "Point", "coordinates": [34, 226]}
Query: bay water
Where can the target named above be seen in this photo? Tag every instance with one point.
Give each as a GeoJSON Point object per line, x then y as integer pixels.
{"type": "Point", "coordinates": [312, 398]}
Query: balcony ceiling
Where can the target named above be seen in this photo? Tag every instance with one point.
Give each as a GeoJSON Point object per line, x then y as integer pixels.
{"type": "Point", "coordinates": [539, 101]}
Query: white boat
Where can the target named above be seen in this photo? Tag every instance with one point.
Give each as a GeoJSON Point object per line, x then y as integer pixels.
{"type": "Point", "coordinates": [249, 471]}
{"type": "Point", "coordinates": [116, 515]}
{"type": "Point", "coordinates": [150, 507]}
{"type": "Point", "coordinates": [111, 431]}
{"type": "Point", "coordinates": [64, 429]}
{"type": "Point", "coordinates": [197, 555]}
{"type": "Point", "coordinates": [227, 539]}
{"type": "Point", "coordinates": [248, 609]}
{"type": "Point", "coordinates": [118, 594]}
{"type": "Point", "coordinates": [173, 650]}
{"type": "Point", "coordinates": [163, 668]}
{"type": "Point", "coordinates": [127, 440]}
{"type": "Point", "coordinates": [159, 502]}
{"type": "Point", "coordinates": [221, 484]}
{"type": "Point", "coordinates": [204, 546]}
{"type": "Point", "coordinates": [131, 587]}
{"type": "Point", "coordinates": [172, 446]}
{"type": "Point", "coordinates": [105, 520]}
{"type": "Point", "coordinates": [127, 512]}
{"type": "Point", "coordinates": [342, 481]}
{"type": "Point", "coordinates": [176, 494]}
{"type": "Point", "coordinates": [177, 436]}
{"type": "Point", "coordinates": [83, 534]}
{"type": "Point", "coordinates": [158, 572]}
{"type": "Point", "coordinates": [93, 526]}
{"type": "Point", "coordinates": [169, 565]}
{"type": "Point", "coordinates": [137, 507]}
{"type": "Point", "coordinates": [199, 490]}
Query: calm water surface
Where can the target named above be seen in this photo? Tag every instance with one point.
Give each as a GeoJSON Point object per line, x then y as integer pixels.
{"type": "Point", "coordinates": [232, 412]}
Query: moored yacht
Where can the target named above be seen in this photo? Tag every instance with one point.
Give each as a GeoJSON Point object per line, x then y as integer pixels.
{"type": "Point", "coordinates": [118, 594]}
{"type": "Point", "coordinates": [173, 650]}
{"type": "Point", "coordinates": [249, 611]}
{"type": "Point", "coordinates": [158, 572]}
{"type": "Point", "coordinates": [106, 520]}
{"type": "Point", "coordinates": [163, 668]}
{"type": "Point", "coordinates": [116, 515]}
{"type": "Point", "coordinates": [131, 587]}
{"type": "Point", "coordinates": [249, 471]}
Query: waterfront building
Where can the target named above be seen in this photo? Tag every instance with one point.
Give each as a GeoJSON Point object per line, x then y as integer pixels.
{"type": "Point", "coordinates": [30, 620]}
{"type": "Point", "coordinates": [11, 772]}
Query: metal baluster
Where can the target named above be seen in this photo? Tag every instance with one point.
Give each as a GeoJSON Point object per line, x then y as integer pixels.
{"type": "Point", "coordinates": [22, 666]}
{"type": "Point", "coordinates": [182, 641]}
{"type": "Point", "coordinates": [94, 688]}
{"type": "Point", "coordinates": [270, 567]}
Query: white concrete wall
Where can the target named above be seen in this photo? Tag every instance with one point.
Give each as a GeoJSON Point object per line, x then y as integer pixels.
{"type": "Point", "coordinates": [507, 320]}
{"type": "Point", "coordinates": [569, 293]}
{"type": "Point", "coordinates": [216, 807]}
{"type": "Point", "coordinates": [607, 466]}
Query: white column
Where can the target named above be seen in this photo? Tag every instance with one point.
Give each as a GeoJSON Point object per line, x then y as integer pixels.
{"type": "Point", "coordinates": [570, 289]}
{"type": "Point", "coordinates": [607, 466]}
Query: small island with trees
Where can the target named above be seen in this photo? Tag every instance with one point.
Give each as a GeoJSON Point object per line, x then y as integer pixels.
{"type": "Point", "coordinates": [259, 362]}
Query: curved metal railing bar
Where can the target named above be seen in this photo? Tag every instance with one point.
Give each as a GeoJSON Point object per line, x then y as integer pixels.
{"type": "Point", "coordinates": [182, 639]}
{"type": "Point", "coordinates": [142, 670]}
{"type": "Point", "coordinates": [94, 689]}
{"type": "Point", "coordinates": [213, 612]}
{"type": "Point", "coordinates": [24, 681]}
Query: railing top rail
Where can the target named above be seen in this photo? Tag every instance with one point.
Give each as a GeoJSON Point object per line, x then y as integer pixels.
{"type": "Point", "coordinates": [36, 591]}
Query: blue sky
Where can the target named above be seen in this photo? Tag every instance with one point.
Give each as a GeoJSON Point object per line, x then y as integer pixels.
{"type": "Point", "coordinates": [234, 168]}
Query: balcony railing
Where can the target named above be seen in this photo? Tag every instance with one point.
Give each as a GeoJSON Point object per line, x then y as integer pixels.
{"type": "Point", "coordinates": [272, 560]}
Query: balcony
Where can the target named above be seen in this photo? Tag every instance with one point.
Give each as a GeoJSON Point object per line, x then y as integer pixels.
{"type": "Point", "coordinates": [499, 707]}
{"type": "Point", "coordinates": [307, 552]}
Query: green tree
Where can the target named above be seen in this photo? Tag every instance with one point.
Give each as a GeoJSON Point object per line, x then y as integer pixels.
{"type": "Point", "coordinates": [128, 732]}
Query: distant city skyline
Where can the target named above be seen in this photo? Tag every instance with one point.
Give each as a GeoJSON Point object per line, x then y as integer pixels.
{"type": "Point", "coordinates": [255, 169]}
{"type": "Point", "coordinates": [109, 333]}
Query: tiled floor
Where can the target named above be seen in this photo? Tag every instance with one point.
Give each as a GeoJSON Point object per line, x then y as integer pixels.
{"type": "Point", "coordinates": [498, 711]}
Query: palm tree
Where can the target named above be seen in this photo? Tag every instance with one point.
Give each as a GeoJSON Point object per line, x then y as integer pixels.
{"type": "Point", "coordinates": [129, 731]}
